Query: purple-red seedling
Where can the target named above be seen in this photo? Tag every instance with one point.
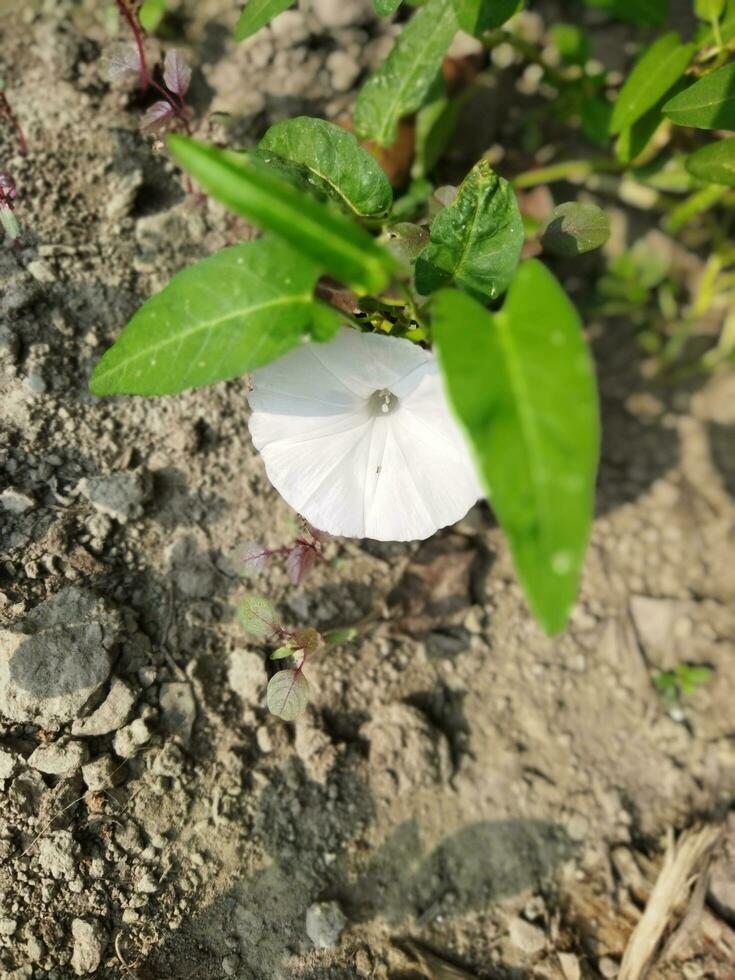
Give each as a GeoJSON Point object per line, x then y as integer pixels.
{"type": "Point", "coordinates": [300, 557]}
{"type": "Point", "coordinates": [7, 112]}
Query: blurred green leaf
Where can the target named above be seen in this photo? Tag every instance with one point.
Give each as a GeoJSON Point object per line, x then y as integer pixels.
{"type": "Point", "coordinates": [151, 14]}
{"type": "Point", "coordinates": [218, 319]}
{"type": "Point", "coordinates": [646, 13]}
{"type": "Point", "coordinates": [258, 615]}
{"type": "Point", "coordinates": [653, 75]}
{"type": "Point", "coordinates": [478, 16]}
{"type": "Point", "coordinates": [714, 163]}
{"type": "Point", "coordinates": [282, 652]}
{"type": "Point", "coordinates": [336, 637]}
{"type": "Point", "coordinates": [522, 385]}
{"type": "Point", "coordinates": [399, 86]}
{"type": "Point", "coordinates": [709, 9]}
{"type": "Point", "coordinates": [386, 7]}
{"type": "Point", "coordinates": [257, 14]}
{"type": "Point", "coordinates": [692, 676]}
{"type": "Point", "coordinates": [571, 42]}
{"type": "Point", "coordinates": [288, 694]}
{"type": "Point", "coordinates": [476, 241]}
{"type": "Point", "coordinates": [323, 235]}
{"type": "Point", "coordinates": [574, 229]}
{"type": "Point", "coordinates": [334, 161]}
{"type": "Point", "coordinates": [708, 104]}
{"type": "Point", "coordinates": [436, 122]}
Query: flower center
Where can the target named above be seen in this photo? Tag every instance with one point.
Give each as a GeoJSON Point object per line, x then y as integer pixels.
{"type": "Point", "coordinates": [382, 402]}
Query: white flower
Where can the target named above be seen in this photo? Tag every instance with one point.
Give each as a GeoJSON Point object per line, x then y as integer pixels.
{"type": "Point", "coordinates": [358, 437]}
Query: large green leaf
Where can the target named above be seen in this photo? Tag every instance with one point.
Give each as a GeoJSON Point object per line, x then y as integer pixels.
{"type": "Point", "coordinates": [656, 71]}
{"type": "Point", "coordinates": [386, 7]}
{"type": "Point", "coordinates": [400, 84]}
{"type": "Point", "coordinates": [478, 16]}
{"type": "Point", "coordinates": [476, 241]}
{"type": "Point", "coordinates": [334, 161]}
{"type": "Point", "coordinates": [218, 319]}
{"type": "Point", "coordinates": [250, 188]}
{"type": "Point", "coordinates": [522, 385]}
{"type": "Point", "coordinates": [714, 163]}
{"type": "Point", "coordinates": [257, 14]}
{"type": "Point", "coordinates": [708, 104]}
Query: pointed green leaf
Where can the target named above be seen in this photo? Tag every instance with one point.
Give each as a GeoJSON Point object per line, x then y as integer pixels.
{"type": "Point", "coordinates": [336, 637]}
{"type": "Point", "coordinates": [250, 188]}
{"type": "Point", "coordinates": [436, 122]}
{"type": "Point", "coordinates": [476, 241]}
{"type": "Point", "coordinates": [708, 104]}
{"type": "Point", "coordinates": [714, 163]}
{"type": "Point", "coordinates": [282, 652]}
{"type": "Point", "coordinates": [655, 72]}
{"type": "Point", "coordinates": [288, 694]}
{"type": "Point", "coordinates": [257, 14]}
{"type": "Point", "coordinates": [334, 162]}
{"type": "Point", "coordinates": [400, 84]}
{"type": "Point", "coordinates": [575, 229]}
{"type": "Point", "coordinates": [478, 16]}
{"type": "Point", "coordinates": [218, 319]}
{"type": "Point", "coordinates": [258, 615]}
{"type": "Point", "coordinates": [522, 385]}
{"type": "Point", "coordinates": [386, 7]}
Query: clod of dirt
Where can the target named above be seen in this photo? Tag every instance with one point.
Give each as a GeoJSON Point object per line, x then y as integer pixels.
{"type": "Point", "coordinates": [55, 659]}
{"type": "Point", "coordinates": [9, 763]}
{"type": "Point", "coordinates": [325, 922]}
{"type": "Point", "coordinates": [130, 739]}
{"type": "Point", "coordinates": [101, 773]}
{"type": "Point", "coordinates": [525, 936]}
{"type": "Point", "coordinates": [63, 756]}
{"type": "Point", "coordinates": [178, 709]}
{"type": "Point", "coordinates": [58, 854]}
{"type": "Point", "coordinates": [120, 496]}
{"type": "Point", "coordinates": [89, 945]}
{"type": "Point", "coordinates": [16, 502]}
{"type": "Point", "coordinates": [314, 748]}
{"type": "Point", "coordinates": [247, 676]}
{"type": "Point", "coordinates": [111, 714]}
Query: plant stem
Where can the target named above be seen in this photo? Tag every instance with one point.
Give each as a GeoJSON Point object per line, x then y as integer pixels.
{"type": "Point", "coordinates": [6, 111]}
{"type": "Point", "coordinates": [567, 170]}
{"type": "Point", "coordinates": [132, 21]}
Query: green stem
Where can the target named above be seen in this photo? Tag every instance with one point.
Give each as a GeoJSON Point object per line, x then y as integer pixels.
{"type": "Point", "coordinates": [567, 170]}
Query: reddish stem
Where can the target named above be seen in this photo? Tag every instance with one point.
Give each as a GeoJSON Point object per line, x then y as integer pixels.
{"type": "Point", "coordinates": [10, 116]}
{"type": "Point", "coordinates": [145, 78]}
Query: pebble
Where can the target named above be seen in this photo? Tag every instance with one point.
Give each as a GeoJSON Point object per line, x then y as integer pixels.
{"type": "Point", "coordinates": [343, 70]}
{"type": "Point", "coordinates": [111, 714]}
{"type": "Point", "coordinates": [16, 502]}
{"type": "Point", "coordinates": [9, 763]}
{"type": "Point", "coordinates": [120, 496]}
{"type": "Point", "coordinates": [63, 756]}
{"type": "Point", "coordinates": [8, 926]}
{"type": "Point", "coordinates": [608, 967]}
{"type": "Point", "coordinates": [341, 13]}
{"type": "Point", "coordinates": [325, 922]}
{"type": "Point", "coordinates": [57, 854]}
{"type": "Point", "coordinates": [41, 271]}
{"type": "Point", "coordinates": [100, 773]}
{"type": "Point", "coordinates": [570, 966]}
{"type": "Point", "coordinates": [230, 965]}
{"type": "Point", "coordinates": [178, 709]}
{"type": "Point", "coordinates": [89, 944]}
{"type": "Point", "coordinates": [131, 738]}
{"type": "Point", "coordinates": [526, 937]}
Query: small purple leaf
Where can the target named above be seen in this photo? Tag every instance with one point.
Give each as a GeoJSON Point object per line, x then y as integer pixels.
{"type": "Point", "coordinates": [251, 557]}
{"type": "Point", "coordinates": [176, 73]}
{"type": "Point", "coordinates": [122, 63]}
{"type": "Point", "coordinates": [157, 117]}
{"type": "Point", "coordinates": [288, 694]}
{"type": "Point", "coordinates": [300, 561]}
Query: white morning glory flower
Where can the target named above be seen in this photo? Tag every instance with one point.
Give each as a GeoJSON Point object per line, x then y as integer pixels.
{"type": "Point", "coordinates": [358, 437]}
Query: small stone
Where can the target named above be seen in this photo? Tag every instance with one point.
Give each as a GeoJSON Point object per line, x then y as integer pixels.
{"type": "Point", "coordinates": [130, 739]}
{"type": "Point", "coordinates": [570, 966]}
{"type": "Point", "coordinates": [230, 965]}
{"type": "Point", "coordinates": [8, 926]}
{"type": "Point", "coordinates": [325, 922]}
{"type": "Point", "coordinates": [343, 70]}
{"type": "Point", "coordinates": [341, 13]}
{"type": "Point", "coordinates": [111, 714]}
{"type": "Point", "coordinates": [16, 502]}
{"type": "Point", "coordinates": [89, 945]}
{"type": "Point", "coordinates": [57, 854]}
{"type": "Point", "coordinates": [608, 967]}
{"type": "Point", "coordinates": [9, 763]}
{"type": "Point", "coordinates": [120, 496]}
{"type": "Point", "coordinates": [263, 738]}
{"type": "Point", "coordinates": [247, 676]}
{"type": "Point", "coordinates": [178, 709]}
{"type": "Point", "coordinates": [101, 773]}
{"type": "Point", "coordinates": [145, 882]}
{"type": "Point", "coordinates": [62, 756]}
{"type": "Point", "coordinates": [526, 937]}
{"type": "Point", "coordinates": [41, 271]}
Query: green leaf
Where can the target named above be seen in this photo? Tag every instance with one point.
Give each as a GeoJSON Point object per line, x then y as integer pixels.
{"type": "Point", "coordinates": [151, 14]}
{"type": "Point", "coordinates": [258, 615]}
{"type": "Point", "coordinates": [522, 385]}
{"type": "Point", "coordinates": [399, 86]}
{"type": "Point", "coordinates": [336, 637]}
{"type": "Point", "coordinates": [476, 241]}
{"type": "Point", "coordinates": [406, 241]}
{"type": "Point", "coordinates": [386, 7]}
{"type": "Point", "coordinates": [282, 652]}
{"type": "Point", "coordinates": [714, 163]}
{"type": "Point", "coordinates": [645, 13]}
{"type": "Point", "coordinates": [692, 676]}
{"type": "Point", "coordinates": [334, 162]}
{"type": "Point", "coordinates": [575, 229]}
{"type": "Point", "coordinates": [250, 188]}
{"type": "Point", "coordinates": [571, 42]}
{"type": "Point", "coordinates": [478, 16]}
{"type": "Point", "coordinates": [708, 104]}
{"type": "Point", "coordinates": [288, 694]}
{"type": "Point", "coordinates": [655, 72]}
{"type": "Point", "coordinates": [218, 319]}
{"type": "Point", "coordinates": [709, 9]}
{"type": "Point", "coordinates": [257, 14]}
{"type": "Point", "coordinates": [436, 122]}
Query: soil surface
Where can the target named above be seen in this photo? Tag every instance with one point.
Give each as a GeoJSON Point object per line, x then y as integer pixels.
{"type": "Point", "coordinates": [464, 793]}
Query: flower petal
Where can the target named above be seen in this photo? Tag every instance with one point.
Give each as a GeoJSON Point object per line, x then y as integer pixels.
{"type": "Point", "coordinates": [396, 477]}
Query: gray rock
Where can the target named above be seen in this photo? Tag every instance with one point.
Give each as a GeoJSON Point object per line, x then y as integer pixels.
{"type": "Point", "coordinates": [526, 937]}
{"type": "Point", "coordinates": [325, 922]}
{"type": "Point", "coordinates": [57, 855]}
{"type": "Point", "coordinates": [89, 945]}
{"type": "Point", "coordinates": [130, 739]}
{"type": "Point", "coordinates": [16, 502]}
{"type": "Point", "coordinates": [9, 763]}
{"type": "Point", "coordinates": [178, 709]}
{"type": "Point", "coordinates": [111, 714]}
{"type": "Point", "coordinates": [8, 926]}
{"type": "Point", "coordinates": [247, 676]}
{"type": "Point", "coordinates": [62, 756]}
{"type": "Point", "coordinates": [120, 496]}
{"type": "Point", "coordinates": [101, 773]}
{"type": "Point", "coordinates": [56, 658]}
